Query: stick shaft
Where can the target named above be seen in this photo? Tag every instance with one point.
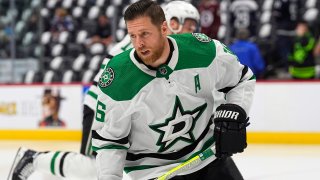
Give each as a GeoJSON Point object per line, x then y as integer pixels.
{"type": "Point", "coordinates": [191, 163]}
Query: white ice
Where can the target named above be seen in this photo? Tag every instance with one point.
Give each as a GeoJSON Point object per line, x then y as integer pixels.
{"type": "Point", "coordinates": [258, 162]}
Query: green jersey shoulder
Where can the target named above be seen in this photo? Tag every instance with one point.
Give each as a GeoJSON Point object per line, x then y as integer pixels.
{"type": "Point", "coordinates": [121, 73]}
{"type": "Point", "coordinates": [194, 52]}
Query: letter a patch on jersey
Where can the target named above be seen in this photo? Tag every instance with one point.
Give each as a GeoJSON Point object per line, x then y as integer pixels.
{"type": "Point", "coordinates": [197, 83]}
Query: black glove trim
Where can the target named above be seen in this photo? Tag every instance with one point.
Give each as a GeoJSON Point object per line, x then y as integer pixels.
{"type": "Point", "coordinates": [230, 112]}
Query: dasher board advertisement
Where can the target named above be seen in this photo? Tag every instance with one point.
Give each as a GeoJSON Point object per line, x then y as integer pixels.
{"type": "Point", "coordinates": [41, 106]}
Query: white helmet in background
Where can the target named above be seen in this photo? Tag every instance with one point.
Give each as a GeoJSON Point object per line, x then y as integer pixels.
{"type": "Point", "coordinates": [182, 11]}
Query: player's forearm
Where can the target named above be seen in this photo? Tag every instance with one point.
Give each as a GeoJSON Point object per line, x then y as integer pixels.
{"type": "Point", "coordinates": [242, 93]}
{"type": "Point", "coordinates": [109, 177]}
{"type": "Point", "coordinates": [110, 164]}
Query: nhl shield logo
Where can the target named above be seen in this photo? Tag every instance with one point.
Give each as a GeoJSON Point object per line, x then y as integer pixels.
{"type": "Point", "coordinates": [107, 77]}
{"type": "Point", "coordinates": [163, 70]}
{"type": "Point", "coordinates": [201, 37]}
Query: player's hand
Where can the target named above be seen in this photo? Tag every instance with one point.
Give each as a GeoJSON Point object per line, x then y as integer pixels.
{"type": "Point", "coordinates": [230, 130]}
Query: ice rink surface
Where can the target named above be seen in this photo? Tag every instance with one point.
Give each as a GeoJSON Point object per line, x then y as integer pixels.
{"type": "Point", "coordinates": [258, 162]}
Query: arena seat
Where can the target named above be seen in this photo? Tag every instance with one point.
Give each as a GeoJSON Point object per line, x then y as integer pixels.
{"type": "Point", "coordinates": [32, 76]}
{"type": "Point", "coordinates": [79, 63]}
{"type": "Point", "coordinates": [87, 76]}
{"type": "Point", "coordinates": [51, 76]}
{"type": "Point", "coordinates": [95, 62]}
{"type": "Point", "coordinates": [70, 76]}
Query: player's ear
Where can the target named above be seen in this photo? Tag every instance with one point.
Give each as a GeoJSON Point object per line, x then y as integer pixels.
{"type": "Point", "coordinates": [174, 24]}
{"type": "Point", "coordinates": [164, 28]}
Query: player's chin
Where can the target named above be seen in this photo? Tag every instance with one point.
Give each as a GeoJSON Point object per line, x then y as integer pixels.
{"type": "Point", "coordinates": [147, 57]}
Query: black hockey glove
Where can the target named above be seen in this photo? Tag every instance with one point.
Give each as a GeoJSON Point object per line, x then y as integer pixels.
{"type": "Point", "coordinates": [230, 122]}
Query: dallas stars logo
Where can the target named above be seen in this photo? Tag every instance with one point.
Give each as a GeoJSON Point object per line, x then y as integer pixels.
{"type": "Point", "coordinates": [178, 127]}
{"type": "Point", "coordinates": [201, 37]}
{"type": "Point", "coordinates": [107, 77]}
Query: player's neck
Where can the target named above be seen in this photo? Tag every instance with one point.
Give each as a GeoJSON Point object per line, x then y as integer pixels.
{"type": "Point", "coordinates": [171, 49]}
{"type": "Point", "coordinates": [164, 56]}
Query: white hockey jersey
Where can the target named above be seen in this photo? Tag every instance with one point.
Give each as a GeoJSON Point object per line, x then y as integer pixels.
{"type": "Point", "coordinates": [150, 120]}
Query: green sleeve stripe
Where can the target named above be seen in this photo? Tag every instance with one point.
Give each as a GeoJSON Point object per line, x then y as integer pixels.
{"type": "Point", "coordinates": [136, 168]}
{"type": "Point", "coordinates": [108, 147]}
{"type": "Point", "coordinates": [252, 77]}
{"type": "Point", "coordinates": [92, 94]}
{"type": "Point", "coordinates": [102, 66]}
{"type": "Point", "coordinates": [125, 47]}
{"type": "Point", "coordinates": [53, 160]}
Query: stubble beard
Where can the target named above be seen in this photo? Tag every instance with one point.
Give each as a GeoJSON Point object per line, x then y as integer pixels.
{"type": "Point", "coordinates": [156, 53]}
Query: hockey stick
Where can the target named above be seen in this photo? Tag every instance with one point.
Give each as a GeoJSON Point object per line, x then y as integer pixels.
{"type": "Point", "coordinates": [191, 163]}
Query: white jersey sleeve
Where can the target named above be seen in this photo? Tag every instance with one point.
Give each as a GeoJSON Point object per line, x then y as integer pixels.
{"type": "Point", "coordinates": [110, 135]}
{"type": "Point", "coordinates": [232, 78]}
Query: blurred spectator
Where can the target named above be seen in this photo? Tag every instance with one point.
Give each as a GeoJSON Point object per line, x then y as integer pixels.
{"type": "Point", "coordinates": [301, 59]}
{"type": "Point", "coordinates": [209, 17]}
{"type": "Point", "coordinates": [316, 52]}
{"type": "Point", "coordinates": [286, 14]}
{"type": "Point", "coordinates": [103, 32]}
{"type": "Point", "coordinates": [33, 21]}
{"type": "Point", "coordinates": [62, 21]}
{"type": "Point", "coordinates": [244, 14]}
{"type": "Point", "coordinates": [248, 52]}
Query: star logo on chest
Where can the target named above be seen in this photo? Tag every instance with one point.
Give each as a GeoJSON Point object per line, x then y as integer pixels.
{"type": "Point", "coordinates": [178, 127]}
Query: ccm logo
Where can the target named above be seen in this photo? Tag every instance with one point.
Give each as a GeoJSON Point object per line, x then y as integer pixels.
{"type": "Point", "coordinates": [226, 114]}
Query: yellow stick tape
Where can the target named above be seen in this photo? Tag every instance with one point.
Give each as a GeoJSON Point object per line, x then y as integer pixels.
{"type": "Point", "coordinates": [45, 134]}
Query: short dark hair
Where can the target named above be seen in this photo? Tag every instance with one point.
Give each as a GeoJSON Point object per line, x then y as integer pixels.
{"type": "Point", "coordinates": [145, 8]}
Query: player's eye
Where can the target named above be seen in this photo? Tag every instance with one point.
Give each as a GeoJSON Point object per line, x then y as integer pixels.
{"type": "Point", "coordinates": [144, 34]}
{"type": "Point", "coordinates": [132, 36]}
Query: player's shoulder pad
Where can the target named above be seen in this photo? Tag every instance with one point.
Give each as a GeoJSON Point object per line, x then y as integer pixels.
{"type": "Point", "coordinates": [196, 37]}
{"type": "Point", "coordinates": [201, 37]}
{"type": "Point", "coordinates": [196, 50]}
{"type": "Point", "coordinates": [121, 79]}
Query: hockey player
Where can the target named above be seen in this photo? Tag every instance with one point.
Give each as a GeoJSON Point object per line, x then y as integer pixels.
{"type": "Point", "coordinates": [181, 17]}
{"type": "Point", "coordinates": [155, 103]}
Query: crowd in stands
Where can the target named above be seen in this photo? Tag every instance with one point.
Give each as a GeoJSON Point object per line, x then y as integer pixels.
{"type": "Point", "coordinates": [277, 39]}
